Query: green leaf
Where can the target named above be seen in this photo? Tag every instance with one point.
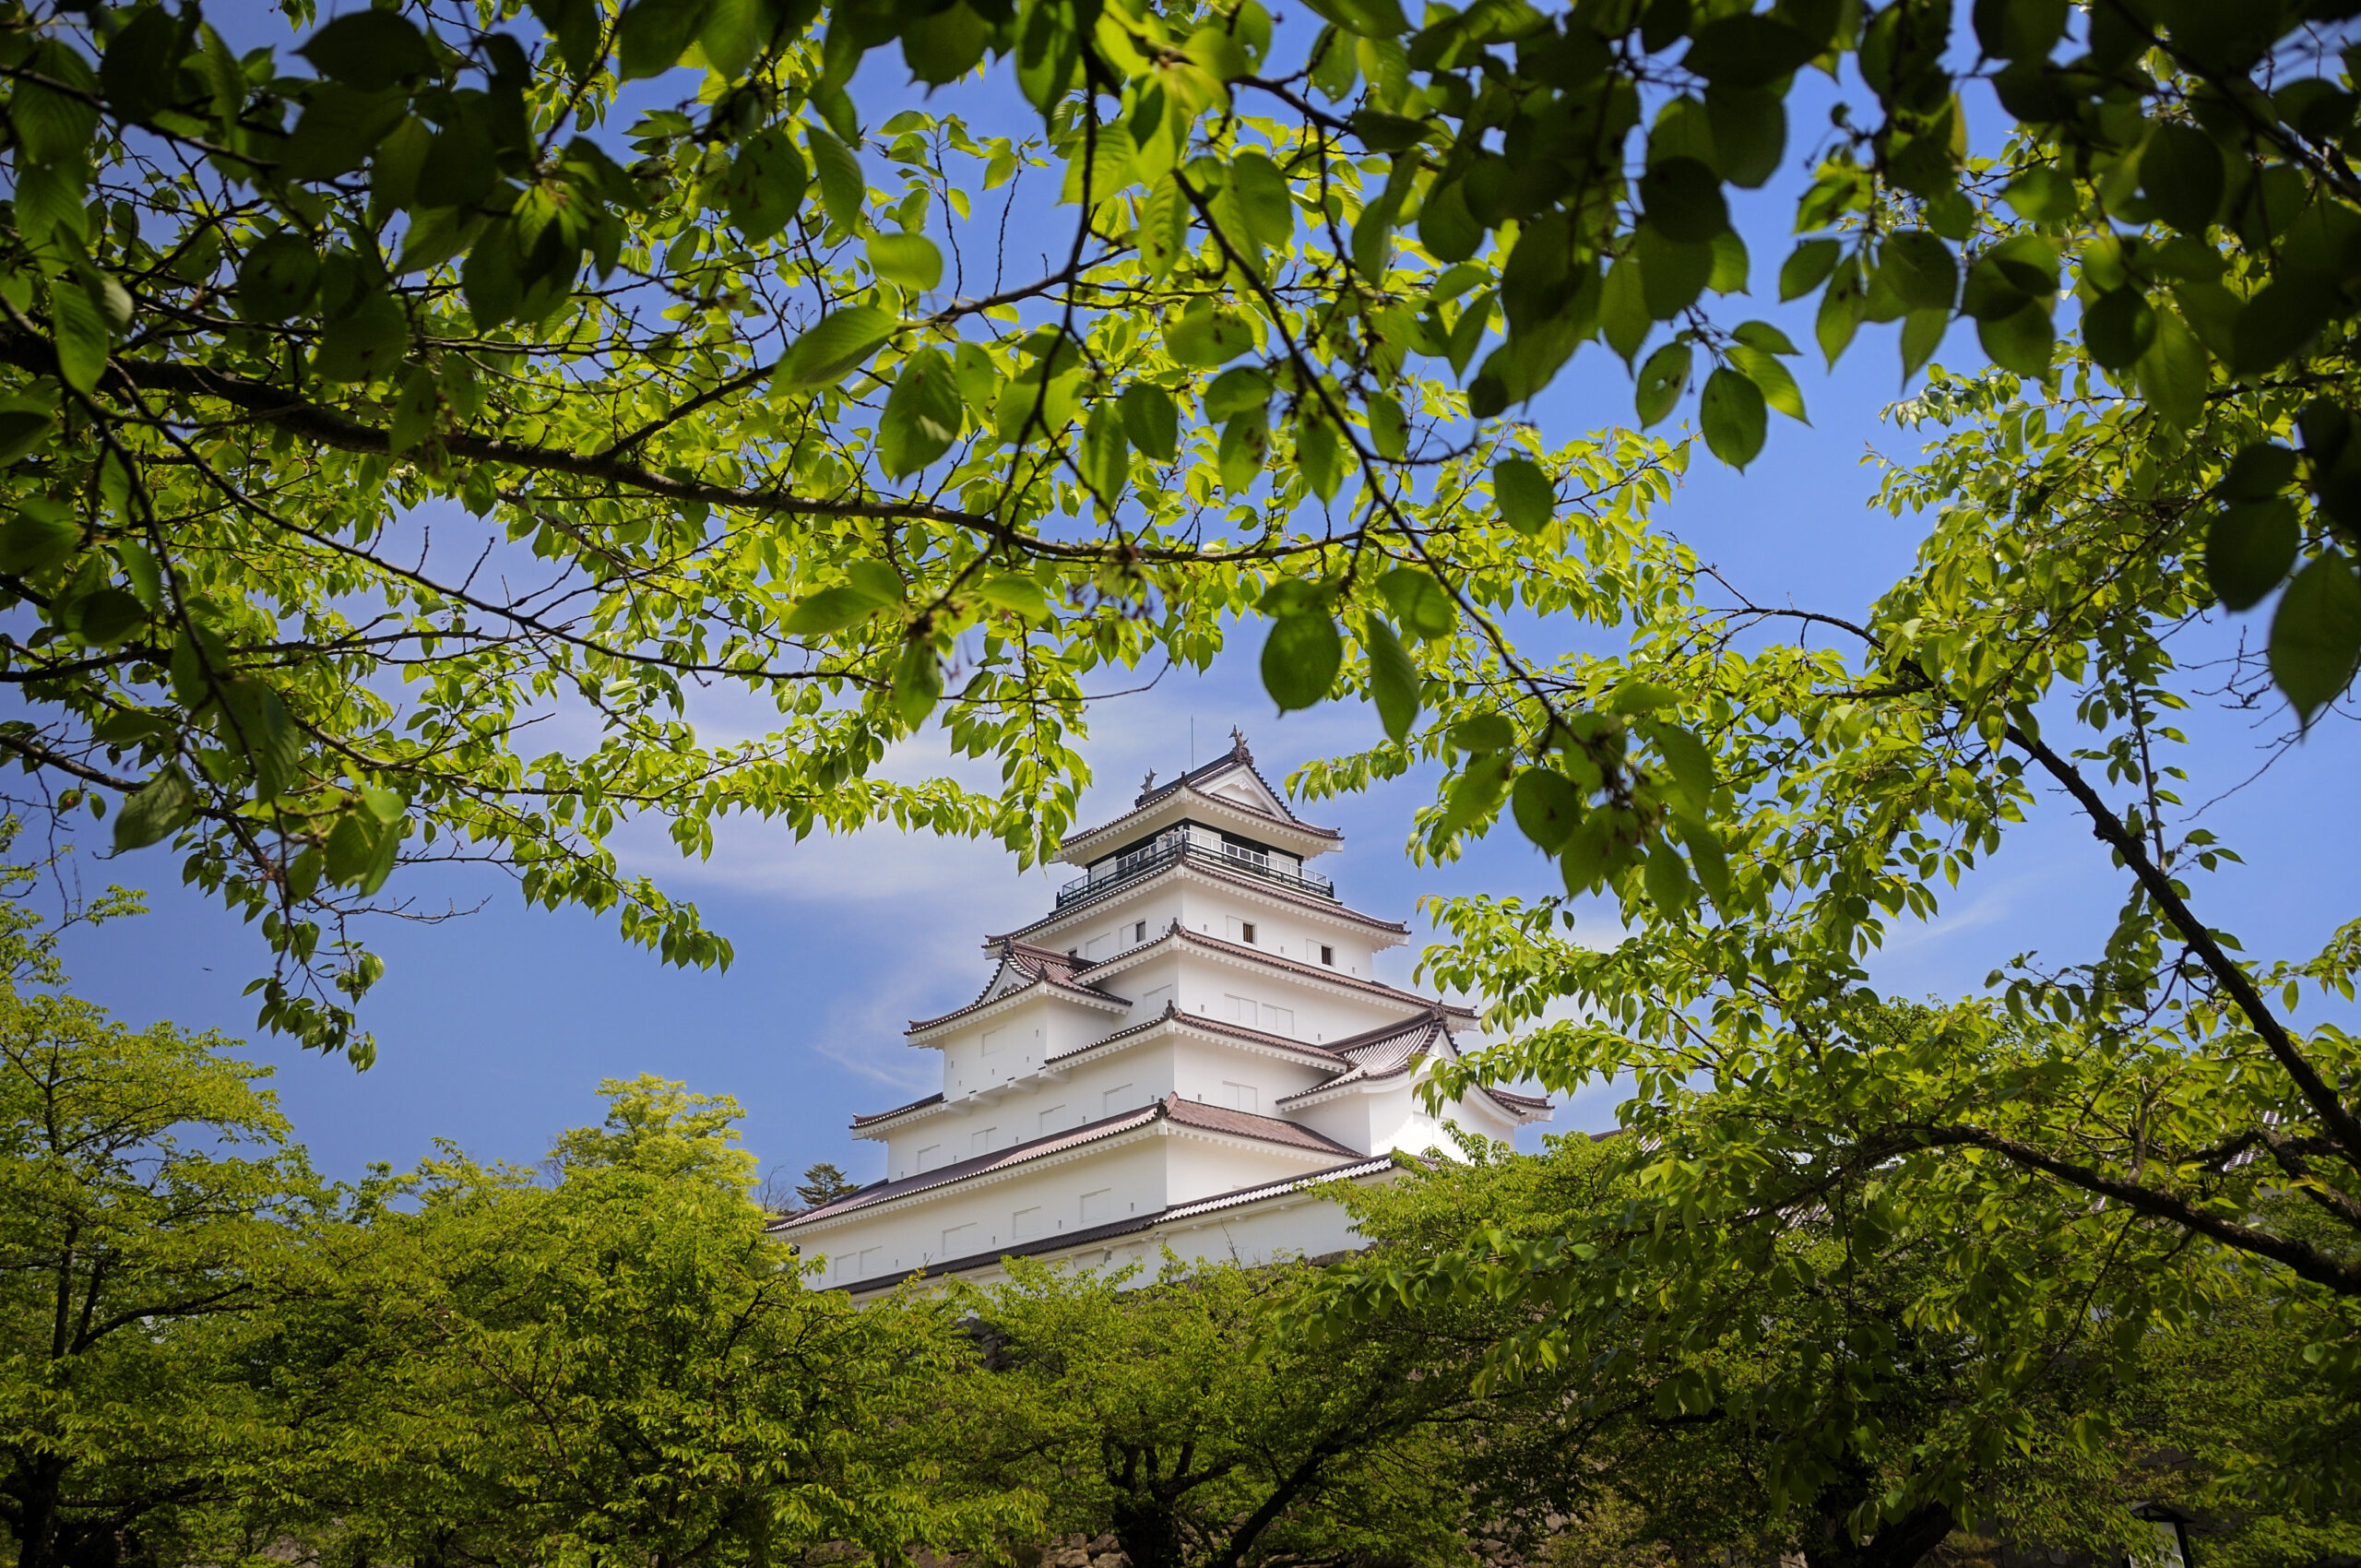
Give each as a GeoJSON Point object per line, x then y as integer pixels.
{"type": "Point", "coordinates": [922, 414]}
{"type": "Point", "coordinates": [276, 278]}
{"type": "Point", "coordinates": [22, 432]}
{"type": "Point", "coordinates": [2259, 472]}
{"type": "Point", "coordinates": [1842, 305]}
{"type": "Point", "coordinates": [2316, 634]}
{"type": "Point", "coordinates": [2022, 341]}
{"type": "Point", "coordinates": [1772, 378]}
{"type": "Point", "coordinates": [1922, 334]}
{"type": "Point", "coordinates": [340, 127]}
{"type": "Point", "coordinates": [1748, 51]}
{"type": "Point", "coordinates": [1672, 272]}
{"type": "Point", "coordinates": [1683, 201]}
{"type": "Point", "coordinates": [361, 851]}
{"type": "Point", "coordinates": [1017, 594]}
{"type": "Point", "coordinates": [578, 29]}
{"type": "Point", "coordinates": [160, 810]}
{"type": "Point", "coordinates": [252, 723]}
{"type": "Point", "coordinates": [1661, 382]}
{"type": "Point", "coordinates": [1389, 428]}
{"type": "Point", "coordinates": [1301, 659]}
{"type": "Point", "coordinates": [82, 334]}
{"type": "Point", "coordinates": [1419, 604]}
{"type": "Point", "coordinates": [766, 185]}
{"type": "Point", "coordinates": [370, 50]}
{"type": "Point", "coordinates": [1731, 410]}
{"type": "Point", "coordinates": [2248, 548]}
{"type": "Point", "coordinates": [910, 260]}
{"type": "Point", "coordinates": [1384, 133]}
{"type": "Point", "coordinates": [835, 347]}
{"type": "Point", "coordinates": [1667, 879]}
{"type": "Point", "coordinates": [1484, 732]}
{"type": "Point", "coordinates": [2173, 374]}
{"type": "Point", "coordinates": [2182, 176]}
{"type": "Point", "coordinates": [731, 35]}
{"type": "Point", "coordinates": [1808, 268]}
{"type": "Point", "coordinates": [1446, 228]}
{"type": "Point", "coordinates": [1317, 452]}
{"type": "Point", "coordinates": [652, 35]}
{"type": "Point", "coordinates": [1235, 391]}
{"type": "Point", "coordinates": [2118, 327]}
{"type": "Point", "coordinates": [1392, 679]}
{"type": "Point", "coordinates": [2018, 29]}
{"type": "Point", "coordinates": [830, 610]}
{"type": "Point", "coordinates": [1707, 859]}
{"type": "Point", "coordinates": [1205, 336]}
{"type": "Point", "coordinates": [42, 534]}
{"type": "Point", "coordinates": [1152, 420]}
{"type": "Point", "coordinates": [844, 190]}
{"type": "Point", "coordinates": [1525, 494]}
{"type": "Point", "coordinates": [1371, 19]}
{"type": "Point", "coordinates": [1692, 763]}
{"type": "Point", "coordinates": [1547, 807]}
{"type": "Point", "coordinates": [366, 342]}
{"type": "Point", "coordinates": [918, 681]}
{"type": "Point", "coordinates": [141, 64]}
{"type": "Point", "coordinates": [1750, 126]}
{"type": "Point", "coordinates": [2282, 320]}
{"type": "Point", "coordinates": [945, 46]}
{"type": "Point", "coordinates": [1921, 268]}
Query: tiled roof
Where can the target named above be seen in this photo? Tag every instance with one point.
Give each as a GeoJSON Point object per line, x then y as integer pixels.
{"type": "Point", "coordinates": [1132, 1224]}
{"type": "Point", "coordinates": [1205, 868]}
{"type": "Point", "coordinates": [1314, 971]}
{"type": "Point", "coordinates": [1043, 966]}
{"type": "Point", "coordinates": [1172, 1015]}
{"type": "Point", "coordinates": [875, 1116]}
{"type": "Point", "coordinates": [1182, 1112]}
{"type": "Point", "coordinates": [1236, 758]}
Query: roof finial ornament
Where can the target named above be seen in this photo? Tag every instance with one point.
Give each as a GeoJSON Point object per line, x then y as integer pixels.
{"type": "Point", "coordinates": [1238, 743]}
{"type": "Point", "coordinates": [1148, 783]}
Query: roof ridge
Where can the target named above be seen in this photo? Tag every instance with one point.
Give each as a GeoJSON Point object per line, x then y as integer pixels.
{"type": "Point", "coordinates": [1207, 868]}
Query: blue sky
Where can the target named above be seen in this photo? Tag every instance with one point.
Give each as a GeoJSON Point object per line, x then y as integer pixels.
{"type": "Point", "coordinates": [494, 1028]}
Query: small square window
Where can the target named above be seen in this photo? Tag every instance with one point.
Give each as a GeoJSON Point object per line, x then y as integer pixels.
{"type": "Point", "coordinates": [1139, 930]}
{"type": "Point", "coordinates": [1246, 929]}
{"type": "Point", "coordinates": [1328, 955]}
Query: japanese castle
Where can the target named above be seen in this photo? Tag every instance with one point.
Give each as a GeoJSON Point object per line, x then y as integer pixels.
{"type": "Point", "coordinates": [1191, 1049]}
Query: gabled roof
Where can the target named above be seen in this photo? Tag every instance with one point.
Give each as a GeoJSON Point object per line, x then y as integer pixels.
{"type": "Point", "coordinates": [1206, 867]}
{"type": "Point", "coordinates": [1172, 1108]}
{"type": "Point", "coordinates": [1231, 782]}
{"type": "Point", "coordinates": [1177, 932]}
{"type": "Point", "coordinates": [1021, 967]}
{"type": "Point", "coordinates": [877, 1116]}
{"type": "Point", "coordinates": [1359, 1170]}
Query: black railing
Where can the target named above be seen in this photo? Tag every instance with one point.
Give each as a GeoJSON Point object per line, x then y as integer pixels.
{"type": "Point", "coordinates": [1231, 858]}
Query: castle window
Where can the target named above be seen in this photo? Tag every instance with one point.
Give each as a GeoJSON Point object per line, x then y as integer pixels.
{"type": "Point", "coordinates": [1246, 929]}
{"type": "Point", "coordinates": [1139, 930]}
{"type": "Point", "coordinates": [1328, 955]}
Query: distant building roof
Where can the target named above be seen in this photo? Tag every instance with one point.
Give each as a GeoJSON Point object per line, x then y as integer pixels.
{"type": "Point", "coordinates": [1172, 1108]}
{"type": "Point", "coordinates": [1130, 1225]}
{"type": "Point", "coordinates": [1274, 808]}
{"type": "Point", "coordinates": [1023, 966]}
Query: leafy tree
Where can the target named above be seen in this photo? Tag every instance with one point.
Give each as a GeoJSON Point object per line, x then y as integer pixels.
{"type": "Point", "coordinates": [1762, 1406]}
{"type": "Point", "coordinates": [1168, 1414]}
{"type": "Point", "coordinates": [615, 1363]}
{"type": "Point", "coordinates": [369, 409]}
{"type": "Point", "coordinates": [148, 1198]}
{"type": "Point", "coordinates": [2152, 1123]}
{"type": "Point", "coordinates": [730, 418]}
{"type": "Point", "coordinates": [822, 1183]}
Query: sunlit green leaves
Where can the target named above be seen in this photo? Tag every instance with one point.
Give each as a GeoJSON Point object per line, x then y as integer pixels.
{"type": "Point", "coordinates": [835, 347]}
{"type": "Point", "coordinates": [2316, 634]}
{"type": "Point", "coordinates": [1301, 657]}
{"type": "Point", "coordinates": [922, 414]}
{"type": "Point", "coordinates": [1731, 411]}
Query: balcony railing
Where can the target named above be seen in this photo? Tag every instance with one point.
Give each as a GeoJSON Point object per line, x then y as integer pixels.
{"type": "Point", "coordinates": [1232, 858]}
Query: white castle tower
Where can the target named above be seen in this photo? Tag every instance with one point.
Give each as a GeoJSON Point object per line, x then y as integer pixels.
{"type": "Point", "coordinates": [1184, 1053]}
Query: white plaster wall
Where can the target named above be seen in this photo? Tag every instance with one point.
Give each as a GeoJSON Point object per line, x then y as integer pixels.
{"type": "Point", "coordinates": [1303, 1224]}
{"type": "Point", "coordinates": [1204, 1166]}
{"type": "Point", "coordinates": [1320, 1015]}
{"type": "Point", "coordinates": [1206, 1070]}
{"type": "Point", "coordinates": [1130, 1171]}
